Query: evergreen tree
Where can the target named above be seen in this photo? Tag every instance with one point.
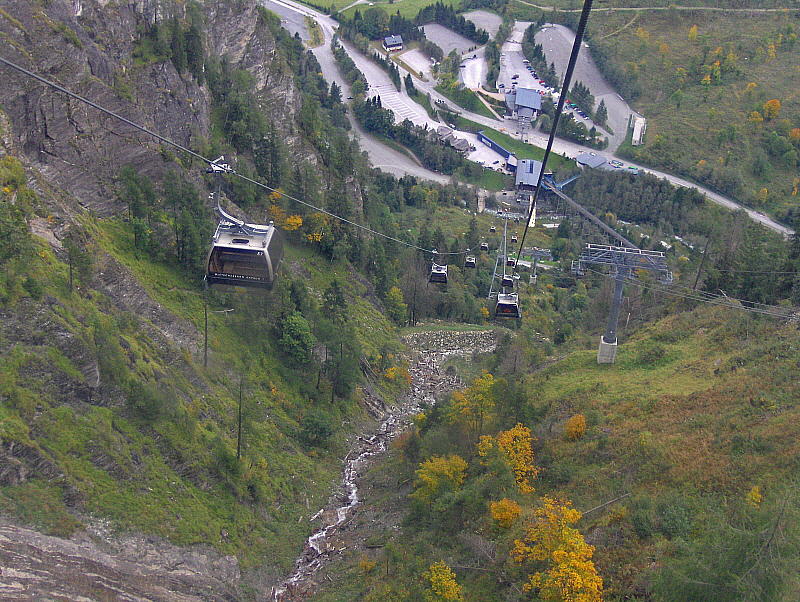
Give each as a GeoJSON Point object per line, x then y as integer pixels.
{"type": "Point", "coordinates": [602, 113]}
{"type": "Point", "coordinates": [177, 46]}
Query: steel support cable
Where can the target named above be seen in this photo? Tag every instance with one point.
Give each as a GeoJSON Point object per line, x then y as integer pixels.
{"type": "Point", "coordinates": [720, 300]}
{"type": "Point", "coordinates": [573, 57]}
{"type": "Point", "coordinates": [206, 160]}
{"type": "Point", "coordinates": [709, 295]}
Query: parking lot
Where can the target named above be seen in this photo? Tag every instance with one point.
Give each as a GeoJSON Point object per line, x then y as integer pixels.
{"type": "Point", "coordinates": [556, 41]}
{"type": "Point", "coordinates": [485, 20]}
{"type": "Point", "coordinates": [473, 74]}
{"type": "Point", "coordinates": [447, 39]}
{"type": "Point", "coordinates": [418, 62]}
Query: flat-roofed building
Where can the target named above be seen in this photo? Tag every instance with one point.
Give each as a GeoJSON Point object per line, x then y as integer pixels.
{"type": "Point", "coordinates": [639, 130]}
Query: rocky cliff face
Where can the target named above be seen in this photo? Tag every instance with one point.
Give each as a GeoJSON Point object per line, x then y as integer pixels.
{"type": "Point", "coordinates": [52, 348]}
{"type": "Point", "coordinates": [87, 46]}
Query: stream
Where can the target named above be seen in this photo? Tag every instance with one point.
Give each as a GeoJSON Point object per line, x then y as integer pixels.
{"type": "Point", "coordinates": [428, 380]}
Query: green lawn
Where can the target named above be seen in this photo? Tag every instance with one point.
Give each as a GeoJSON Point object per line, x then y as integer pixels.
{"type": "Point", "coordinates": [407, 8]}
{"type": "Point", "coordinates": [489, 179]}
{"type": "Point", "coordinates": [467, 99]}
{"type": "Point", "coordinates": [521, 149]}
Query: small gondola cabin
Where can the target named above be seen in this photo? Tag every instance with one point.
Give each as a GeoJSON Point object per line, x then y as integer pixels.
{"type": "Point", "coordinates": [484, 246]}
{"type": "Point", "coordinates": [438, 274]}
{"type": "Point", "coordinates": [507, 306]}
{"type": "Point", "coordinates": [469, 261]}
{"type": "Point", "coordinates": [507, 282]}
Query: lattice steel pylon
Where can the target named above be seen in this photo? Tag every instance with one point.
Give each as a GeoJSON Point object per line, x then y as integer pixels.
{"type": "Point", "coordinates": [626, 261]}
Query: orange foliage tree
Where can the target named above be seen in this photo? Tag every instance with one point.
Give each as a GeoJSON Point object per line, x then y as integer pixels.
{"type": "Point", "coordinates": [505, 512]}
{"type": "Point", "coordinates": [576, 427]}
{"type": "Point", "coordinates": [516, 448]}
{"type": "Point", "coordinates": [474, 405]}
{"type": "Point", "coordinates": [552, 543]}
{"type": "Point", "coordinates": [772, 108]}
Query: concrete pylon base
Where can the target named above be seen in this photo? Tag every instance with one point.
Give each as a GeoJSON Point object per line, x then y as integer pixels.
{"type": "Point", "coordinates": [607, 352]}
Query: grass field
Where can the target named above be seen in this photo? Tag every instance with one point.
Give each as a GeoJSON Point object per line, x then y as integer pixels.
{"type": "Point", "coordinates": [521, 149]}
{"type": "Point", "coordinates": [575, 5]}
{"type": "Point", "coordinates": [489, 179]}
{"type": "Point", "coordinates": [407, 8]}
{"type": "Point", "coordinates": [462, 95]}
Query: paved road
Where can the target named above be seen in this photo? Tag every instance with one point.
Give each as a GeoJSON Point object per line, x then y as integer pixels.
{"type": "Point", "coordinates": [670, 7]}
{"type": "Point", "coordinates": [401, 161]}
{"type": "Point", "coordinates": [473, 74]}
{"type": "Point", "coordinates": [382, 156]}
{"type": "Point", "coordinates": [557, 41]}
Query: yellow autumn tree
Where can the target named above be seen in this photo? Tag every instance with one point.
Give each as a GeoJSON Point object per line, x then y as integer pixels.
{"type": "Point", "coordinates": [515, 446]}
{"type": "Point", "coordinates": [575, 427]}
{"type": "Point", "coordinates": [504, 512]}
{"type": "Point", "coordinates": [474, 405]}
{"type": "Point", "coordinates": [437, 475]}
{"type": "Point", "coordinates": [277, 214]}
{"type": "Point", "coordinates": [442, 583]}
{"type": "Point", "coordinates": [292, 223]}
{"type": "Point", "coordinates": [692, 33]}
{"type": "Point", "coordinates": [772, 108]}
{"type": "Point", "coordinates": [755, 117]}
{"type": "Point", "coordinates": [553, 541]}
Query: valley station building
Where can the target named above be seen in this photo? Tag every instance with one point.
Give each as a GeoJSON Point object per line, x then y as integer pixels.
{"type": "Point", "coordinates": [393, 43]}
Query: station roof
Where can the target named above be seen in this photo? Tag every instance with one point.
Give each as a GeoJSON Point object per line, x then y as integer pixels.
{"type": "Point", "coordinates": [393, 40]}
{"type": "Point", "coordinates": [524, 98]}
{"type": "Point", "coordinates": [592, 160]}
{"type": "Point", "coordinates": [527, 172]}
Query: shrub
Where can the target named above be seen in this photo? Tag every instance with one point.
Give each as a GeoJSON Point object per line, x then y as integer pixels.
{"type": "Point", "coordinates": [575, 428]}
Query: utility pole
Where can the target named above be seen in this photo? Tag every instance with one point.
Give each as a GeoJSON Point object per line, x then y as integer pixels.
{"type": "Point", "coordinates": [239, 433]}
{"type": "Point", "coordinates": [702, 263]}
{"type": "Point", "coordinates": [205, 329]}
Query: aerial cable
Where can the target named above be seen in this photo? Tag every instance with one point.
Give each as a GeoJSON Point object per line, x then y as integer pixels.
{"type": "Point", "coordinates": [719, 300]}
{"type": "Point", "coordinates": [212, 162]}
{"type": "Point", "coordinates": [573, 57]}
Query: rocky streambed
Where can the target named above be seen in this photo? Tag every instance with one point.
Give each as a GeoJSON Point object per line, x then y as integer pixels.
{"type": "Point", "coordinates": [428, 381]}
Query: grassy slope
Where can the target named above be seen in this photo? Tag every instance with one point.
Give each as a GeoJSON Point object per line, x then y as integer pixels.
{"type": "Point", "coordinates": [680, 138]}
{"type": "Point", "coordinates": [176, 475]}
{"type": "Point", "coordinates": [700, 407]}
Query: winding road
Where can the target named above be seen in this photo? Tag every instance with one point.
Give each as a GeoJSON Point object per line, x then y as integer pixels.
{"type": "Point", "coordinates": [398, 163]}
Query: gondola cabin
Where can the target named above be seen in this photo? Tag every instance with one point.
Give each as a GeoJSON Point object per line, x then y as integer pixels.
{"type": "Point", "coordinates": [507, 282]}
{"type": "Point", "coordinates": [514, 238]}
{"type": "Point", "coordinates": [507, 306]}
{"type": "Point", "coordinates": [243, 256]}
{"type": "Point", "coordinates": [511, 262]}
{"type": "Point", "coordinates": [484, 246]}
{"type": "Point", "coordinates": [492, 229]}
{"type": "Point", "coordinates": [438, 274]}
{"type": "Point", "coordinates": [469, 261]}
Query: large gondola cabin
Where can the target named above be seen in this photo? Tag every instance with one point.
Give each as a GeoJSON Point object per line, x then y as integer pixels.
{"type": "Point", "coordinates": [243, 255]}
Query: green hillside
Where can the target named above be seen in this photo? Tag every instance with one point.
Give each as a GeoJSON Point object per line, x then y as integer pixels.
{"type": "Point", "coordinates": [693, 432]}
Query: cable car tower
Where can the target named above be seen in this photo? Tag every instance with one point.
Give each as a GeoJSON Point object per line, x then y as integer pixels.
{"type": "Point", "coordinates": [625, 262]}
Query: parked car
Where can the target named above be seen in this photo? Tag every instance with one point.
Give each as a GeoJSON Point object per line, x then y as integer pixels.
{"type": "Point", "coordinates": [501, 86]}
{"type": "Point", "coordinates": [615, 163]}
